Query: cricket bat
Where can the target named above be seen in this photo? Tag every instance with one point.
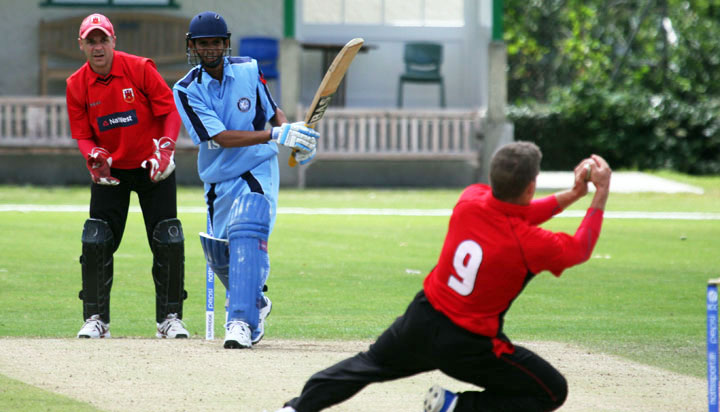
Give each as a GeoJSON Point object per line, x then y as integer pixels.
{"type": "Point", "coordinates": [328, 86]}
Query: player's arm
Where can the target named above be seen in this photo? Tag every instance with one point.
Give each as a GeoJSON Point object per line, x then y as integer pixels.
{"type": "Point", "coordinates": [97, 159]}
{"type": "Point", "coordinates": [86, 146]}
{"type": "Point", "coordinates": [293, 135]}
{"type": "Point", "coordinates": [558, 251]}
{"type": "Point", "coordinates": [544, 208]}
{"type": "Point", "coordinates": [242, 138]}
{"type": "Point", "coordinates": [161, 163]}
{"type": "Point", "coordinates": [279, 118]}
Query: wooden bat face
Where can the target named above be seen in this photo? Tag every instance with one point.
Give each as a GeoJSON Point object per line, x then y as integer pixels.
{"type": "Point", "coordinates": [328, 86]}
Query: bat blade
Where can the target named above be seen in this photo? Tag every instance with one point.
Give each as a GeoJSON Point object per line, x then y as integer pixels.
{"type": "Point", "coordinates": [329, 85]}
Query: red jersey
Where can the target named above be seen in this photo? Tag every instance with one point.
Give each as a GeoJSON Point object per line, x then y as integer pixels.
{"type": "Point", "coordinates": [121, 111]}
{"type": "Point", "coordinates": [492, 249]}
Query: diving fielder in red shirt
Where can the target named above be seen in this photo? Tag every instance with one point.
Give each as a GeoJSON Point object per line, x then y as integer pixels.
{"type": "Point", "coordinates": [492, 249]}
{"type": "Point", "coordinates": [123, 116]}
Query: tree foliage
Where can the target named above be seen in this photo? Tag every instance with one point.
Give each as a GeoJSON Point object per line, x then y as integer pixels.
{"type": "Point", "coordinates": [655, 45]}
{"type": "Point", "coordinates": [638, 78]}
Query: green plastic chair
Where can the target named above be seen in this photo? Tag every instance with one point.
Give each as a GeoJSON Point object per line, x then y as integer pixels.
{"type": "Point", "coordinates": [422, 65]}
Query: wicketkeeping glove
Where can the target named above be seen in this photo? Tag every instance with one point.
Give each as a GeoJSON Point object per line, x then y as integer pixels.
{"type": "Point", "coordinates": [161, 163]}
{"type": "Point", "coordinates": [296, 136]}
{"type": "Point", "coordinates": [98, 163]}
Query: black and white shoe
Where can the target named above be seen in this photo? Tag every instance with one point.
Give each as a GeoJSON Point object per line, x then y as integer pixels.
{"type": "Point", "coordinates": [94, 328]}
{"type": "Point", "coordinates": [172, 328]}
{"type": "Point", "coordinates": [237, 335]}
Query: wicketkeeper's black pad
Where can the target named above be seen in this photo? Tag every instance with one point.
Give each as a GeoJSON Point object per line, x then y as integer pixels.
{"type": "Point", "coordinates": [97, 269]}
{"type": "Point", "coordinates": [168, 246]}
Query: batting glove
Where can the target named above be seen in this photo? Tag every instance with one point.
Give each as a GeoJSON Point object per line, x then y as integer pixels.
{"type": "Point", "coordinates": [305, 158]}
{"type": "Point", "coordinates": [98, 163]}
{"type": "Point", "coordinates": [296, 136]}
{"type": "Point", "coordinates": [161, 163]}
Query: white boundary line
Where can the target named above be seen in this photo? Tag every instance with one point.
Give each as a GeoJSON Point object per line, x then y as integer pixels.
{"type": "Point", "coordinates": [29, 208]}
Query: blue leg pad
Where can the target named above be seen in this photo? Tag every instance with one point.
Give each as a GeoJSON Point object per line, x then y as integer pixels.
{"type": "Point", "coordinates": [217, 256]}
{"type": "Point", "coordinates": [249, 263]}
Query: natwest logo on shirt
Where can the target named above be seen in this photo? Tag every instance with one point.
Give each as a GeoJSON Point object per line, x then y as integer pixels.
{"type": "Point", "coordinates": [122, 119]}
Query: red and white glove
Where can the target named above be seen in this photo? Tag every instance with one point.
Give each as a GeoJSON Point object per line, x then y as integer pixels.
{"type": "Point", "coordinates": [161, 163]}
{"type": "Point", "coordinates": [98, 163]}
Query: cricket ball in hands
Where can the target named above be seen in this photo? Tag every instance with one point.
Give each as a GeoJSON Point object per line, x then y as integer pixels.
{"type": "Point", "coordinates": [588, 171]}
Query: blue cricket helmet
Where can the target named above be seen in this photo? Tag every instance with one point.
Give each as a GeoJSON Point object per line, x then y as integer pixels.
{"type": "Point", "coordinates": [207, 24]}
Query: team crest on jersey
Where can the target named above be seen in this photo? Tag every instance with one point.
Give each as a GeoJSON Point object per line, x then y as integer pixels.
{"type": "Point", "coordinates": [243, 104]}
{"type": "Point", "coordinates": [128, 95]}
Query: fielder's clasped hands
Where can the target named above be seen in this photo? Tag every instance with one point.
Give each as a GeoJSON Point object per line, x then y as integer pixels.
{"type": "Point", "coordinates": [297, 136]}
{"type": "Point", "coordinates": [98, 163]}
{"type": "Point", "coordinates": [162, 162]}
{"type": "Point", "coordinates": [593, 170]}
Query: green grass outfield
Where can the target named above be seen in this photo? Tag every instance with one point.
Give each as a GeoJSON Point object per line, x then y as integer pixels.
{"type": "Point", "coordinates": [348, 276]}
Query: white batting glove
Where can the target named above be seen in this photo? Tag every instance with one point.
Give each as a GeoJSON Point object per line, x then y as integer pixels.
{"type": "Point", "coordinates": [305, 158]}
{"type": "Point", "coordinates": [296, 136]}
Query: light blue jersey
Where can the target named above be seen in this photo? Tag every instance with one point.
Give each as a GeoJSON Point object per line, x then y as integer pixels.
{"type": "Point", "coordinates": [240, 102]}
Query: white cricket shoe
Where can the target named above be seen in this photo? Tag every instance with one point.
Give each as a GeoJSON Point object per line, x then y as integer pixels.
{"type": "Point", "coordinates": [237, 335]}
{"type": "Point", "coordinates": [439, 400]}
{"type": "Point", "coordinates": [286, 409]}
{"type": "Point", "coordinates": [172, 328]}
{"type": "Point", "coordinates": [94, 328]}
{"type": "Point", "coordinates": [258, 333]}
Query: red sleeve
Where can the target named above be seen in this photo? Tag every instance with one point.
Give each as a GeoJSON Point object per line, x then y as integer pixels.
{"type": "Point", "coordinates": [171, 125]}
{"type": "Point", "coordinates": [85, 146]}
{"type": "Point", "coordinates": [556, 252]}
{"type": "Point", "coordinates": [157, 91]}
{"type": "Point", "coordinates": [543, 209]}
{"type": "Point", "coordinates": [77, 114]}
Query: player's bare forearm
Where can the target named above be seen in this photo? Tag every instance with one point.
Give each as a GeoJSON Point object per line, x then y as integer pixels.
{"type": "Point", "coordinates": [567, 197]}
{"type": "Point", "coordinates": [279, 117]}
{"type": "Point", "coordinates": [242, 138]}
{"type": "Point", "coordinates": [600, 199]}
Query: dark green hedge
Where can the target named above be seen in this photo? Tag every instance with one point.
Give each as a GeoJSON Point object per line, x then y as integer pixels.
{"type": "Point", "coordinates": [630, 129]}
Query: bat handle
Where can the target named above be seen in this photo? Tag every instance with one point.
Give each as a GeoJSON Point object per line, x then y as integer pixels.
{"type": "Point", "coordinates": [291, 160]}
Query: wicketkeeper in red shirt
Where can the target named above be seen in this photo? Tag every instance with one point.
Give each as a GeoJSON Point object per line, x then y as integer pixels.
{"type": "Point", "coordinates": [493, 248]}
{"type": "Point", "coordinates": [123, 116]}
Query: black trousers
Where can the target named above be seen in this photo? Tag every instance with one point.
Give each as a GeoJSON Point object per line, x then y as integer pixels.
{"type": "Point", "coordinates": [158, 201]}
{"type": "Point", "coordinates": [424, 339]}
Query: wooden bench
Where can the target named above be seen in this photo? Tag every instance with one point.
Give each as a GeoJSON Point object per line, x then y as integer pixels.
{"type": "Point", "coordinates": [350, 134]}
{"type": "Point", "coordinates": [157, 36]}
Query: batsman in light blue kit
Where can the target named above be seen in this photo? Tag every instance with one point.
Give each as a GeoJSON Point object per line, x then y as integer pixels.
{"type": "Point", "coordinates": [225, 105]}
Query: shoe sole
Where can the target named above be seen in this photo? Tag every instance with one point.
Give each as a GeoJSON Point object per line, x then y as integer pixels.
{"type": "Point", "coordinates": [178, 336]}
{"type": "Point", "coordinates": [434, 400]}
{"type": "Point", "coordinates": [233, 344]}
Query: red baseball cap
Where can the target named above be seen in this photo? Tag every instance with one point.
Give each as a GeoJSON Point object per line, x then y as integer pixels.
{"type": "Point", "coordinates": [96, 21]}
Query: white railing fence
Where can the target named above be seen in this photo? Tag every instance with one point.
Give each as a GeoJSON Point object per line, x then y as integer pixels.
{"type": "Point", "coordinates": [34, 121]}
{"type": "Point", "coordinates": [347, 133]}
{"type": "Point", "coordinates": [391, 134]}
{"type": "Point", "coordinates": [42, 122]}
{"type": "Point", "coordinates": [385, 134]}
